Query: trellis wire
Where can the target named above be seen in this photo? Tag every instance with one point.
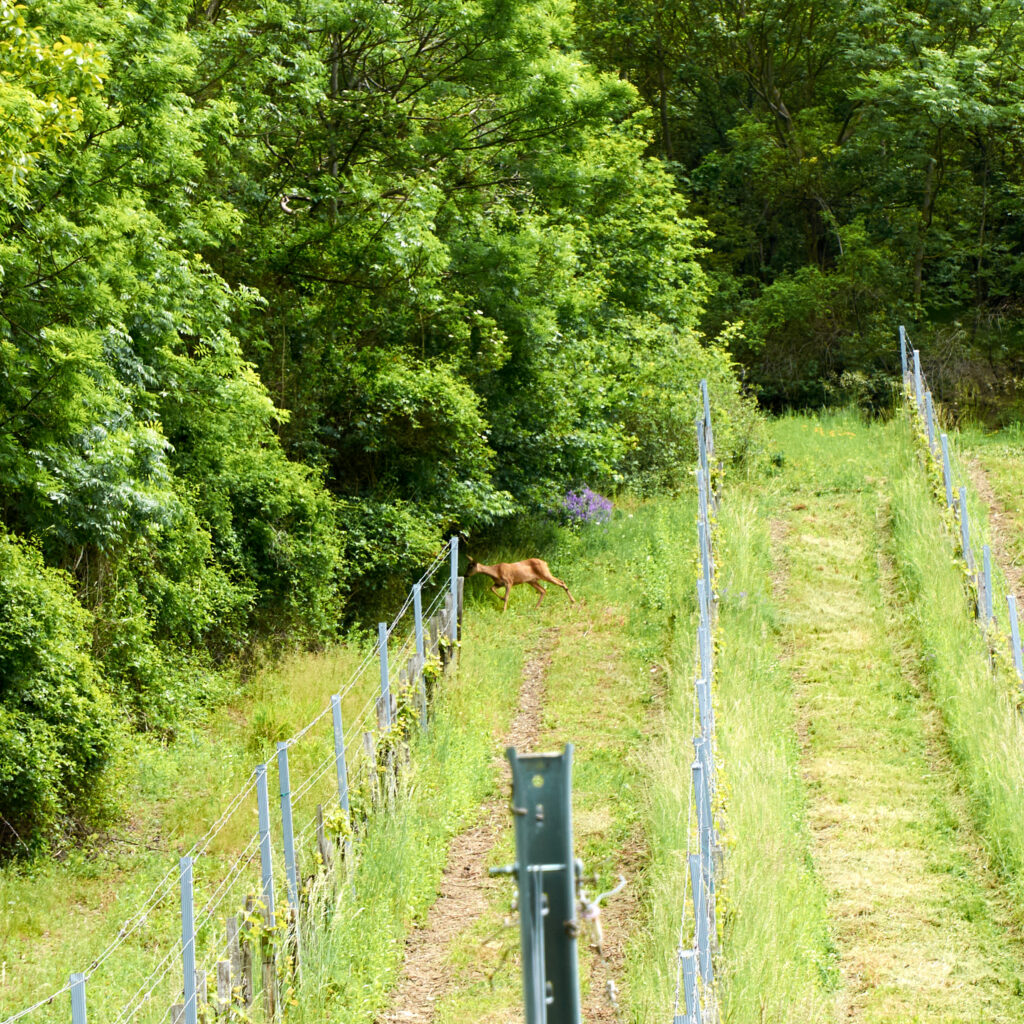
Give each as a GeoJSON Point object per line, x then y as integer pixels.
{"type": "Point", "coordinates": [701, 884]}
{"type": "Point", "coordinates": [167, 884]}
{"type": "Point", "coordinates": [956, 499]}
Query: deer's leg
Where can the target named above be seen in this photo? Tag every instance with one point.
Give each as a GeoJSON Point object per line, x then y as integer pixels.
{"type": "Point", "coordinates": [508, 591]}
{"type": "Point", "coordinates": [540, 590]}
{"type": "Point", "coordinates": [558, 583]}
{"type": "Point", "coordinates": [496, 590]}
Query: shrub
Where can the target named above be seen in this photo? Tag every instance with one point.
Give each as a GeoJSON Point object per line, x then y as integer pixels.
{"type": "Point", "coordinates": [56, 725]}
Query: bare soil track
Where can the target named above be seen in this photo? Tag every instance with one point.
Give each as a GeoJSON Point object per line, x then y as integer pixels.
{"type": "Point", "coordinates": [465, 887]}
{"type": "Point", "coordinates": [1001, 522]}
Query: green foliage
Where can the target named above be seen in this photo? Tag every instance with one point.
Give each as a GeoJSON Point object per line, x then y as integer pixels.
{"type": "Point", "coordinates": [857, 166]}
{"type": "Point", "coordinates": [292, 291]}
{"type": "Point", "coordinates": [56, 724]}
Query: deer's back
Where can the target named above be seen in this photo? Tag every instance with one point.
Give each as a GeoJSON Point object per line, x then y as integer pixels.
{"type": "Point", "coordinates": [527, 569]}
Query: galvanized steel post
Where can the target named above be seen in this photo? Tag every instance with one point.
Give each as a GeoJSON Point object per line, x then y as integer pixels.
{"type": "Point", "coordinates": [700, 915]}
{"type": "Point", "coordinates": [965, 530]}
{"type": "Point", "coordinates": [385, 682]}
{"type": "Point", "coordinates": [1011, 603]}
{"type": "Point", "coordinates": [693, 1015]}
{"type": "Point", "coordinates": [707, 418]}
{"type": "Point", "coordinates": [78, 1014]}
{"type": "Point", "coordinates": [947, 473]}
{"type": "Point", "coordinates": [986, 560]}
{"type": "Point", "coordinates": [702, 446]}
{"type": "Point", "coordinates": [417, 614]}
{"type": "Point", "coordinates": [546, 874]}
{"type": "Point", "coordinates": [454, 624]}
{"type": "Point", "coordinates": [339, 753]}
{"type": "Point", "coordinates": [287, 830]}
{"type": "Point", "coordinates": [188, 939]}
{"type": "Point", "coordinates": [702, 794]}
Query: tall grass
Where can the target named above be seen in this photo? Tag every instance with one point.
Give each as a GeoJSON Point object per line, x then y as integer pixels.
{"type": "Point", "coordinates": [778, 963]}
{"type": "Point", "coordinates": [57, 915]}
{"type": "Point", "coordinates": [983, 726]}
{"type": "Point", "coordinates": [351, 964]}
{"type": "Point", "coordinates": [643, 606]}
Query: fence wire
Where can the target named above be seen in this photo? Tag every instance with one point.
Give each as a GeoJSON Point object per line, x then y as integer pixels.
{"type": "Point", "coordinates": [364, 721]}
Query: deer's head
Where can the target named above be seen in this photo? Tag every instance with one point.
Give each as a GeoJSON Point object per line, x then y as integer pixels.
{"type": "Point", "coordinates": [473, 568]}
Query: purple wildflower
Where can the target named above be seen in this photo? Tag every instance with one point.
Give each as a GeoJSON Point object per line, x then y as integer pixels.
{"type": "Point", "coordinates": [587, 506]}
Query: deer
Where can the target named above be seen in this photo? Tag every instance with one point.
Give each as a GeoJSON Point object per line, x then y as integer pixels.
{"type": "Point", "coordinates": [508, 574]}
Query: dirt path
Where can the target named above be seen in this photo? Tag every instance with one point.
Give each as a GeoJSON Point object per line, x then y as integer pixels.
{"type": "Point", "coordinates": [465, 888]}
{"type": "Point", "coordinates": [1002, 526]}
{"type": "Point", "coordinates": [916, 923]}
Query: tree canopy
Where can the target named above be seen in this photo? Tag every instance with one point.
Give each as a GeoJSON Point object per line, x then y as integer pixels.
{"type": "Point", "coordinates": [289, 293]}
{"type": "Point", "coordinates": [857, 165]}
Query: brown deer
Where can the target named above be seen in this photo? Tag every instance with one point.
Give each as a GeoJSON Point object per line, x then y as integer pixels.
{"type": "Point", "coordinates": [508, 574]}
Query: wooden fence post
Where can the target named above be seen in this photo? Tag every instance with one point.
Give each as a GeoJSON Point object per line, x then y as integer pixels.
{"type": "Point", "coordinates": [224, 987]}
{"type": "Point", "coordinates": [247, 952]}
{"type": "Point", "coordinates": [201, 994]}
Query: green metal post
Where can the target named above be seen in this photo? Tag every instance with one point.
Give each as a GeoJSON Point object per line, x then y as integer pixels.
{"type": "Point", "coordinates": [545, 871]}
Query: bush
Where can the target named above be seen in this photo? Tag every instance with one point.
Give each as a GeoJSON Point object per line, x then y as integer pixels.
{"type": "Point", "coordinates": [56, 725]}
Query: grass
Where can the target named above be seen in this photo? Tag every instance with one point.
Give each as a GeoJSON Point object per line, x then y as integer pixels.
{"type": "Point", "coordinates": [350, 967]}
{"type": "Point", "coordinates": [171, 792]}
{"type": "Point", "coordinates": [1001, 455]}
{"type": "Point", "coordinates": [778, 961]}
{"type": "Point", "coordinates": [920, 932]}
{"type": "Point", "coordinates": [616, 670]}
{"type": "Point", "coordinates": [867, 753]}
{"type": "Point", "coordinates": [978, 705]}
